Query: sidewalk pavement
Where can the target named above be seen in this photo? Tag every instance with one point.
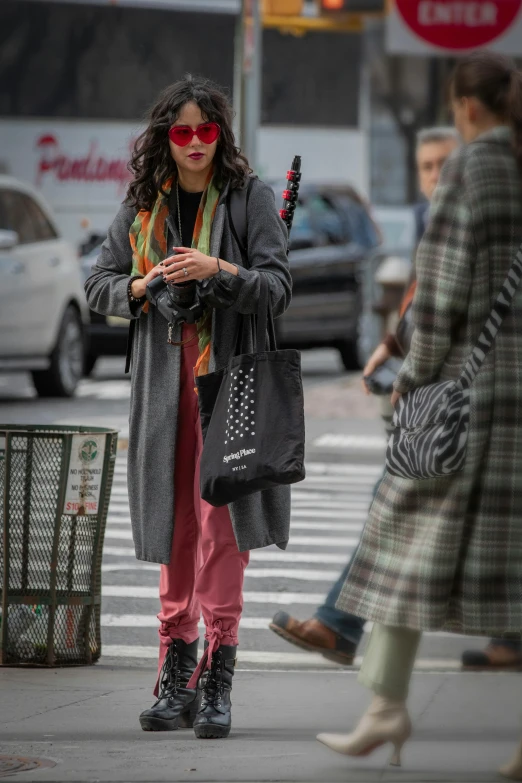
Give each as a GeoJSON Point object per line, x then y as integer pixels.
{"type": "Point", "coordinates": [85, 721]}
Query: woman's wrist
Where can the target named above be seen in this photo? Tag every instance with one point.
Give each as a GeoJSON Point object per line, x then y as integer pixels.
{"type": "Point", "coordinates": [136, 289]}
{"type": "Point", "coordinates": [224, 266]}
{"type": "Point", "coordinates": [392, 346]}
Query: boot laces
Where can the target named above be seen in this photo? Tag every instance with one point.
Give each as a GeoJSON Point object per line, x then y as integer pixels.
{"type": "Point", "coordinates": [170, 674]}
{"type": "Point", "coordinates": [213, 684]}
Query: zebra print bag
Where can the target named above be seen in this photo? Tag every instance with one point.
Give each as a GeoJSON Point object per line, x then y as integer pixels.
{"type": "Point", "coordinates": [432, 422]}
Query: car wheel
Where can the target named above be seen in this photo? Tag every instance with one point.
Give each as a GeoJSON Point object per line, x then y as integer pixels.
{"type": "Point", "coordinates": [349, 355]}
{"type": "Point", "coordinates": [90, 363]}
{"type": "Point", "coordinates": [67, 360]}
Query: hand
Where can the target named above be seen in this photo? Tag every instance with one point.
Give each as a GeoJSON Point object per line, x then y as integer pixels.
{"type": "Point", "coordinates": [140, 284]}
{"type": "Point", "coordinates": [395, 398]}
{"type": "Point", "coordinates": [378, 357]}
{"type": "Point", "coordinates": [198, 266]}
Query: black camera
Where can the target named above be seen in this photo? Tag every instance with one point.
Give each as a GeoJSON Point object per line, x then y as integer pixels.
{"type": "Point", "coordinates": [177, 302]}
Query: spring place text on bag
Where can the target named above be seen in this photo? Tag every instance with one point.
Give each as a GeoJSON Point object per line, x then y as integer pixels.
{"type": "Point", "coordinates": [238, 454]}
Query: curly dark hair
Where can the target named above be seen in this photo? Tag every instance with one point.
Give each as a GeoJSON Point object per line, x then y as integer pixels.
{"type": "Point", "coordinates": [152, 164]}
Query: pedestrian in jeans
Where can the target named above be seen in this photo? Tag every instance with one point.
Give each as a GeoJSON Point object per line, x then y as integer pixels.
{"type": "Point", "coordinates": [445, 554]}
{"type": "Point", "coordinates": [175, 222]}
{"type": "Point", "coordinates": [334, 633]}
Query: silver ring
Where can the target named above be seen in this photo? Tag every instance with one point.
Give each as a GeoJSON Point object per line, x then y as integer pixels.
{"type": "Point", "coordinates": [185, 271]}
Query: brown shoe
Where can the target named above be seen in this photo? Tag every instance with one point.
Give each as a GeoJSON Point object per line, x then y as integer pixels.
{"type": "Point", "coordinates": [312, 635]}
{"type": "Point", "coordinates": [496, 656]}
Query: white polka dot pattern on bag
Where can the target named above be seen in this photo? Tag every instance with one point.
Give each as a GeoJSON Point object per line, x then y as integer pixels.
{"type": "Point", "coordinates": [245, 389]}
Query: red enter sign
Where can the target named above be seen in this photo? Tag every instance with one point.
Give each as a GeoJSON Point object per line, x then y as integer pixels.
{"type": "Point", "coordinates": [459, 24]}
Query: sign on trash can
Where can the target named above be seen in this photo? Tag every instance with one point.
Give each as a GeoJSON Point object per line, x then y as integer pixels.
{"type": "Point", "coordinates": [55, 485]}
{"type": "Point", "coordinates": [84, 476]}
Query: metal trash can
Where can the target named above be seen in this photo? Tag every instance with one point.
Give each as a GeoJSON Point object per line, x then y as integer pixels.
{"type": "Point", "coordinates": [55, 485]}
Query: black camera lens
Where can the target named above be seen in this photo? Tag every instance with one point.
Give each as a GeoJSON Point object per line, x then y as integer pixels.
{"type": "Point", "coordinates": [183, 294]}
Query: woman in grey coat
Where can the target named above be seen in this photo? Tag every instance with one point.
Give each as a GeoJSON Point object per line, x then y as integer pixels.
{"type": "Point", "coordinates": [176, 223]}
{"type": "Point", "coordinates": [445, 554]}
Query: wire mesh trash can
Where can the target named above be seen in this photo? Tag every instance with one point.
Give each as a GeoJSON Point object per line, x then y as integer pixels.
{"type": "Point", "coordinates": [55, 485]}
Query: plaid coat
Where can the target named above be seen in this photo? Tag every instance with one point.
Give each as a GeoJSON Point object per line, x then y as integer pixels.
{"type": "Point", "coordinates": [446, 553]}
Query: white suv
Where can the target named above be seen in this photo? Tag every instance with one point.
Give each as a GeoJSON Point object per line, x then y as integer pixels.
{"type": "Point", "coordinates": [42, 303]}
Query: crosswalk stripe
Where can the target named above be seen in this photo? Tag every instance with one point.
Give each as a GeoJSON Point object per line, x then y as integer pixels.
{"type": "Point", "coordinates": [362, 509]}
{"type": "Point", "coordinates": [283, 598]}
{"type": "Point", "coordinates": [104, 390]}
{"type": "Point", "coordinates": [329, 484]}
{"type": "Point", "coordinates": [312, 468]}
{"type": "Point", "coordinates": [359, 442]}
{"type": "Point", "coordinates": [119, 497]}
{"type": "Point", "coordinates": [340, 527]}
{"type": "Point", "coordinates": [118, 510]}
{"type": "Point", "coordinates": [271, 658]}
{"type": "Point", "coordinates": [342, 502]}
{"type": "Point", "coordinates": [322, 541]}
{"type": "Point", "coordinates": [151, 621]}
{"type": "Point", "coordinates": [342, 468]}
{"type": "Point", "coordinates": [258, 555]}
{"type": "Point", "coordinates": [355, 476]}
{"type": "Point", "coordinates": [125, 535]}
{"type": "Point", "coordinates": [123, 513]}
{"type": "Point", "coordinates": [246, 624]}
{"type": "Point", "coordinates": [248, 656]}
{"type": "Point", "coordinates": [304, 575]}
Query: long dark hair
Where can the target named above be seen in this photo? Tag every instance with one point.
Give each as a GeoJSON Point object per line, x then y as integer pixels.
{"type": "Point", "coordinates": [497, 83]}
{"type": "Point", "coordinates": [151, 162]}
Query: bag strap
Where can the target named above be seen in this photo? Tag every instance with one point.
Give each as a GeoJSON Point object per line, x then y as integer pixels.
{"type": "Point", "coordinates": [237, 205]}
{"type": "Point", "coordinates": [260, 326]}
{"type": "Point", "coordinates": [492, 327]}
{"type": "Point", "coordinates": [265, 319]}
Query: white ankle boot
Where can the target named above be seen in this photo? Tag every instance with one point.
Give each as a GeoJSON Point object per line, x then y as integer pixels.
{"type": "Point", "coordinates": [513, 770]}
{"type": "Point", "coordinates": [384, 721]}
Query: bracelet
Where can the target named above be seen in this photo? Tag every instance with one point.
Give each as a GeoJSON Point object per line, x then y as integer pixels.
{"type": "Point", "coordinates": [219, 265]}
{"type": "Point", "coordinates": [133, 298]}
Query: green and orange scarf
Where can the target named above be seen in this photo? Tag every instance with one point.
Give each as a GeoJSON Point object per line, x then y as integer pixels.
{"type": "Point", "coordinates": [148, 239]}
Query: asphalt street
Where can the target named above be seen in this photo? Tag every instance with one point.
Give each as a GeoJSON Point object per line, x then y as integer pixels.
{"type": "Point", "coordinates": [345, 448]}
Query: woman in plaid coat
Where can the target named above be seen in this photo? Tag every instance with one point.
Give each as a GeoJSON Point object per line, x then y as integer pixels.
{"type": "Point", "coordinates": [446, 553]}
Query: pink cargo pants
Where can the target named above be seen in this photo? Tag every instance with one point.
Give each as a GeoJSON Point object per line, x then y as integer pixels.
{"type": "Point", "coordinates": [206, 569]}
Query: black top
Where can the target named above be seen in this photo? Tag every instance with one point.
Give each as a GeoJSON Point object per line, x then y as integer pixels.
{"type": "Point", "coordinates": [188, 208]}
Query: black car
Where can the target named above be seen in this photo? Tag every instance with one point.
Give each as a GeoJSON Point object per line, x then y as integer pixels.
{"type": "Point", "coordinates": [332, 236]}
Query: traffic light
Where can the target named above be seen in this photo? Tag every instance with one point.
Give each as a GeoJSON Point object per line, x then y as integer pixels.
{"type": "Point", "coordinates": [352, 6]}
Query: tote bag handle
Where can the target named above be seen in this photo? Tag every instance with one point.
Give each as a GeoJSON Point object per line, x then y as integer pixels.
{"type": "Point", "coordinates": [265, 319]}
{"type": "Point", "coordinates": [259, 326]}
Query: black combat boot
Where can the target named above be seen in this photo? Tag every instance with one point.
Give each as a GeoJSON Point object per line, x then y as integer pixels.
{"type": "Point", "coordinates": [214, 718]}
{"type": "Point", "coordinates": [177, 705]}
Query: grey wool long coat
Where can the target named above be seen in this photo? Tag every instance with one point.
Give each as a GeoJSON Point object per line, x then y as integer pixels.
{"type": "Point", "coordinates": [259, 519]}
{"type": "Point", "coordinates": [446, 553]}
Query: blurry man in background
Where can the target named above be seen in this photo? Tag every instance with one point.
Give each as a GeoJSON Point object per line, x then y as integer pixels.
{"type": "Point", "coordinates": [331, 632]}
{"type": "Point", "coordinates": [434, 146]}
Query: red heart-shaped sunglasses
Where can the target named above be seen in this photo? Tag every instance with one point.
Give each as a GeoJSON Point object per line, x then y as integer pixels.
{"type": "Point", "coordinates": [182, 135]}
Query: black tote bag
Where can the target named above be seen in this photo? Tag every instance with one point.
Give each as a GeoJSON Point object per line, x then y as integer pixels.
{"type": "Point", "coordinates": [252, 417]}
